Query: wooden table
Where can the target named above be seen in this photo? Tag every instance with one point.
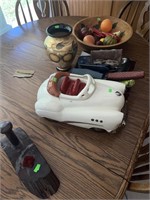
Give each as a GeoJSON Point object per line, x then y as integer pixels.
{"type": "Point", "coordinates": [89, 165]}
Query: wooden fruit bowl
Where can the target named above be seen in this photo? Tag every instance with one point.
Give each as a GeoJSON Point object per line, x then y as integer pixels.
{"type": "Point", "coordinates": [90, 21]}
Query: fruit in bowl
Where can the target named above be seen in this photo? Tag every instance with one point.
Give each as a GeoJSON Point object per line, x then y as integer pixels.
{"type": "Point", "coordinates": [102, 32]}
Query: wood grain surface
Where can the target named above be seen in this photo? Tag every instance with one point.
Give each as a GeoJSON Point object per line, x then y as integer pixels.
{"type": "Point", "coordinates": [89, 165]}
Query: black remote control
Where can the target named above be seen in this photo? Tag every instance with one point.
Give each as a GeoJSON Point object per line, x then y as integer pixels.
{"type": "Point", "coordinates": [28, 162]}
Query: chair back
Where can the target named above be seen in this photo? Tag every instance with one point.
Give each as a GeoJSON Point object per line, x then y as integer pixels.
{"type": "Point", "coordinates": [139, 181]}
{"type": "Point", "coordinates": [51, 8]}
{"type": "Point", "coordinates": [136, 13]}
{"type": "Point", "coordinates": [143, 26]}
{"type": "Point", "coordinates": [19, 7]}
{"type": "Point", "coordinates": [42, 8]}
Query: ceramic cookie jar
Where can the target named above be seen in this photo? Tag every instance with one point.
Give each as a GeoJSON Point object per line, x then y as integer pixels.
{"type": "Point", "coordinates": [61, 45]}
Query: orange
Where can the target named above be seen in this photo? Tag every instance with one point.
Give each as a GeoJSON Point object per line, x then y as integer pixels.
{"type": "Point", "coordinates": [106, 25]}
{"type": "Point", "coordinates": [89, 39]}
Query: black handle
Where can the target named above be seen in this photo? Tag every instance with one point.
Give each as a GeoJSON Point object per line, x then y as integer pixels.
{"type": "Point", "coordinates": [6, 128]}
